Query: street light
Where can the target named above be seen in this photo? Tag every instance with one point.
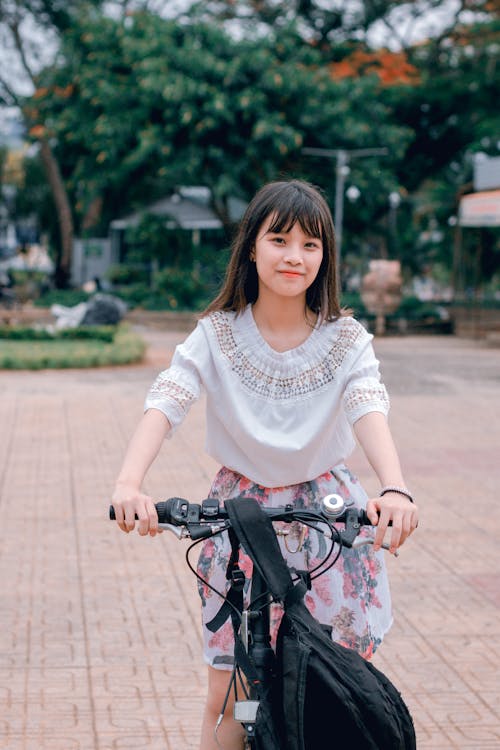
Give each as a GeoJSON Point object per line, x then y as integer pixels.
{"type": "Point", "coordinates": [342, 170]}
{"type": "Point", "coordinates": [394, 204]}
{"type": "Point", "coordinates": [353, 193]}
{"type": "Point", "coordinates": [394, 200]}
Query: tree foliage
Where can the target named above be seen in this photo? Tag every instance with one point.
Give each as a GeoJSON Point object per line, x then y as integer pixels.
{"type": "Point", "coordinates": [134, 105]}
{"type": "Point", "coordinates": [143, 105]}
{"type": "Point", "coordinates": [26, 51]}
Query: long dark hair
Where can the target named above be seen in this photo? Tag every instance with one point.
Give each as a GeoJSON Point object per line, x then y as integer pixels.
{"type": "Point", "coordinates": [287, 202]}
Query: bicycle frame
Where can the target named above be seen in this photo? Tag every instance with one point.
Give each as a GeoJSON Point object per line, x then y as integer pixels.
{"type": "Point", "coordinates": [255, 634]}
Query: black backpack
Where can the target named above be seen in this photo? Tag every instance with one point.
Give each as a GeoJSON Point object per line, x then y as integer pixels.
{"type": "Point", "coordinates": [323, 693]}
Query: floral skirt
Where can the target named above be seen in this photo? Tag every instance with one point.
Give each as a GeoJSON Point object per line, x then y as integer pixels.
{"type": "Point", "coordinates": [352, 597]}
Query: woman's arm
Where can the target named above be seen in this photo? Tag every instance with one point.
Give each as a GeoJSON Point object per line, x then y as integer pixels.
{"type": "Point", "coordinates": [128, 500]}
{"type": "Point", "coordinates": [374, 436]}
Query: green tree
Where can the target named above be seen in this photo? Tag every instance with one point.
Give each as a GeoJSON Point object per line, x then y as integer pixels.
{"type": "Point", "coordinates": [453, 114]}
{"type": "Point", "coordinates": [443, 92]}
{"type": "Point", "coordinates": [30, 32]}
{"type": "Point", "coordinates": [142, 105]}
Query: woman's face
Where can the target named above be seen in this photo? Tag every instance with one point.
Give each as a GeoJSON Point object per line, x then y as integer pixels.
{"type": "Point", "coordinates": [287, 262]}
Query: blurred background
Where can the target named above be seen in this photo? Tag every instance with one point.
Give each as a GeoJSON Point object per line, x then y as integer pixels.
{"type": "Point", "coordinates": [133, 134]}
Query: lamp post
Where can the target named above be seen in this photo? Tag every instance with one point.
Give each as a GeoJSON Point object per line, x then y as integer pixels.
{"type": "Point", "coordinates": [394, 204]}
{"type": "Point", "coordinates": [342, 169]}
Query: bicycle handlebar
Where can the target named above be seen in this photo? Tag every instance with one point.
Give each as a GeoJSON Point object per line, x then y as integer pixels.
{"type": "Point", "coordinates": [201, 520]}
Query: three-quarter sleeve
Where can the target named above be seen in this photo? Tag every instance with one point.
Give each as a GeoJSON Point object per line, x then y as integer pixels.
{"type": "Point", "coordinates": [177, 388]}
{"type": "Point", "coordinates": [364, 391]}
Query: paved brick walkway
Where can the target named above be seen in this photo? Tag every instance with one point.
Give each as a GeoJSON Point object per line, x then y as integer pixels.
{"type": "Point", "coordinates": [99, 642]}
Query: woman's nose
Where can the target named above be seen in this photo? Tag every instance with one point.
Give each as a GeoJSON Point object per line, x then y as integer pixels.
{"type": "Point", "coordinates": [293, 254]}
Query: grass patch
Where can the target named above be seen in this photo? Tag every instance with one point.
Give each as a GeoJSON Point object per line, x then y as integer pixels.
{"type": "Point", "coordinates": [23, 333]}
{"type": "Point", "coordinates": [60, 352]}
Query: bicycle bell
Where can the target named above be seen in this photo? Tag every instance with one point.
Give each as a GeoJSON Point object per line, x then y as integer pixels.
{"type": "Point", "coordinates": [333, 505]}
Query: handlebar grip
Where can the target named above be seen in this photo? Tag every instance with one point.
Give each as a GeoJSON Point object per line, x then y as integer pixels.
{"type": "Point", "coordinates": [165, 509]}
{"type": "Point", "coordinates": [363, 518]}
{"type": "Point", "coordinates": [365, 521]}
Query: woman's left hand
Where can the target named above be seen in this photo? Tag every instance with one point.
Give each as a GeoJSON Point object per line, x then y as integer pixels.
{"type": "Point", "coordinates": [394, 507]}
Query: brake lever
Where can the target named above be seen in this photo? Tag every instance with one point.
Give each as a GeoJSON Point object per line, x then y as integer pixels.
{"type": "Point", "coordinates": [194, 531]}
{"type": "Point", "coordinates": [352, 526]}
{"type": "Point", "coordinates": [363, 542]}
{"type": "Point", "coordinates": [179, 531]}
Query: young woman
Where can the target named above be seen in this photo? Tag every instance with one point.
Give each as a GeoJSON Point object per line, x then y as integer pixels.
{"type": "Point", "coordinates": [288, 379]}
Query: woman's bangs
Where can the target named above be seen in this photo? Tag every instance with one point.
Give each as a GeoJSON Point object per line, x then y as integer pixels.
{"type": "Point", "coordinates": [307, 217]}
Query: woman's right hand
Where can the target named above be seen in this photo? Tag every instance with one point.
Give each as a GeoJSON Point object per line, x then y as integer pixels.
{"type": "Point", "coordinates": [128, 501]}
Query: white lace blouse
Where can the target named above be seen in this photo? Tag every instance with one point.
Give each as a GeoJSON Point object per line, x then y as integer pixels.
{"type": "Point", "coordinates": [278, 418]}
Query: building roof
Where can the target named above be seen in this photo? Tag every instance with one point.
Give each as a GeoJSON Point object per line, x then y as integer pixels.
{"type": "Point", "coordinates": [187, 208]}
{"type": "Point", "coordinates": [480, 209]}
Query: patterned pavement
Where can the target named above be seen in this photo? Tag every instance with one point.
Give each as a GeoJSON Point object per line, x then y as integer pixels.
{"type": "Point", "coordinates": [99, 641]}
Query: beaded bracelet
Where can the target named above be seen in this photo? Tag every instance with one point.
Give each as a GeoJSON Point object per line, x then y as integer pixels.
{"type": "Point", "coordinates": [399, 490]}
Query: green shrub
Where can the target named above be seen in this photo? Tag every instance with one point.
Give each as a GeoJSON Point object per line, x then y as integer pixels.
{"type": "Point", "coordinates": [413, 308]}
{"type": "Point", "coordinates": [100, 333]}
{"type": "Point", "coordinates": [63, 352]}
{"type": "Point", "coordinates": [29, 284]}
{"type": "Point", "coordinates": [21, 333]}
{"type": "Point", "coordinates": [134, 294]}
{"type": "Point", "coordinates": [66, 297]}
{"type": "Point", "coordinates": [128, 273]}
{"type": "Point", "coordinates": [173, 289]}
{"type": "Point", "coordinates": [23, 276]}
{"type": "Point", "coordinates": [181, 287]}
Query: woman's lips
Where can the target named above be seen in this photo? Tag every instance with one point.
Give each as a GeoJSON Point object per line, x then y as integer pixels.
{"type": "Point", "coordinates": [291, 274]}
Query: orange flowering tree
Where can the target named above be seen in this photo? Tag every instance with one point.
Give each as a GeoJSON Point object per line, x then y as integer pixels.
{"type": "Point", "coordinates": [390, 68]}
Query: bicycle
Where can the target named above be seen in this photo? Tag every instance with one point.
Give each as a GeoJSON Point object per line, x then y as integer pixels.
{"type": "Point", "coordinates": [200, 521]}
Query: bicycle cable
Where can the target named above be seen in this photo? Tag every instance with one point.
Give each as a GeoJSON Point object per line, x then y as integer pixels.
{"type": "Point", "coordinates": [254, 603]}
{"type": "Point", "coordinates": [205, 582]}
{"type": "Point", "coordinates": [308, 518]}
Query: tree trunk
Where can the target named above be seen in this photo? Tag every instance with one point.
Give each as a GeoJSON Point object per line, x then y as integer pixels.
{"type": "Point", "coordinates": [64, 215]}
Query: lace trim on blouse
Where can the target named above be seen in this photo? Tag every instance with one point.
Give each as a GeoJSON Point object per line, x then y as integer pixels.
{"type": "Point", "coordinates": [271, 386]}
{"type": "Point", "coordinates": [165, 387]}
{"type": "Point", "coordinates": [358, 397]}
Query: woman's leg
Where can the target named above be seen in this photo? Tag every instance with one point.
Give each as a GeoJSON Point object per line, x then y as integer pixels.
{"type": "Point", "coordinates": [230, 733]}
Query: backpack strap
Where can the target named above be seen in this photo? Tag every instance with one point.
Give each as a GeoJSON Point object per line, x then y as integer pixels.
{"type": "Point", "coordinates": [233, 601]}
{"type": "Point", "coordinates": [296, 594]}
{"type": "Point", "coordinates": [256, 534]}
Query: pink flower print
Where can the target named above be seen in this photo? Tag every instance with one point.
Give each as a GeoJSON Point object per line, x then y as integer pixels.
{"type": "Point", "coordinates": [204, 591]}
{"type": "Point", "coordinates": [323, 591]}
{"type": "Point", "coordinates": [326, 476]}
{"type": "Point", "coordinates": [244, 484]}
{"type": "Point", "coordinates": [223, 638]}
{"type": "Point", "coordinates": [277, 490]}
{"type": "Point", "coordinates": [368, 652]}
{"type": "Point", "coordinates": [349, 587]}
{"type": "Point", "coordinates": [345, 618]}
{"type": "Point", "coordinates": [208, 549]}
{"type": "Point", "coordinates": [373, 566]}
{"type": "Point", "coordinates": [310, 603]}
